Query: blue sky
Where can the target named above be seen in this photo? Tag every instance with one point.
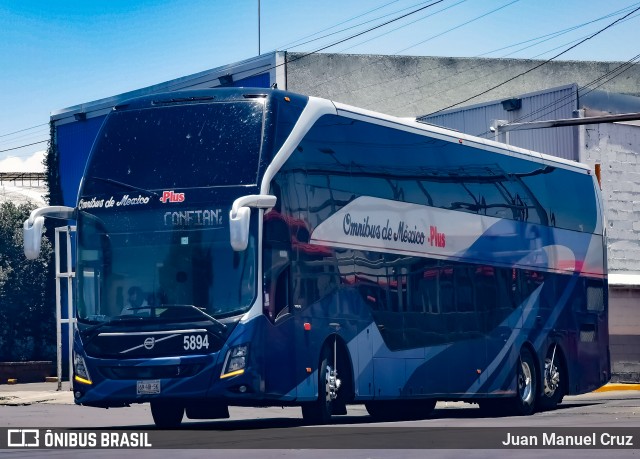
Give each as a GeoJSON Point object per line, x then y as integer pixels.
{"type": "Point", "coordinates": [58, 54]}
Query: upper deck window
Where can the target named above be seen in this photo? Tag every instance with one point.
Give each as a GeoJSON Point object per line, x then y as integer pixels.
{"type": "Point", "coordinates": [180, 146]}
{"type": "Point", "coordinates": [375, 160]}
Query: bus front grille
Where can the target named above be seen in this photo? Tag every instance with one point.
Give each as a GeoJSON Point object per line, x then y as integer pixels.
{"type": "Point", "coordinates": [151, 372]}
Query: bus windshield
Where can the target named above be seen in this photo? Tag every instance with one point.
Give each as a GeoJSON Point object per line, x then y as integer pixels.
{"type": "Point", "coordinates": [186, 146]}
{"type": "Point", "coordinates": [148, 274]}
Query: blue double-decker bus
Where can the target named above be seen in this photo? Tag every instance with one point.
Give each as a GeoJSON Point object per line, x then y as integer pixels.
{"type": "Point", "coordinates": [241, 247]}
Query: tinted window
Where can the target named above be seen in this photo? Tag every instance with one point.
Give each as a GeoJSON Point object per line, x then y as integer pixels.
{"type": "Point", "coordinates": [179, 147]}
{"type": "Point", "coordinates": [378, 161]}
{"type": "Point", "coordinates": [574, 206]}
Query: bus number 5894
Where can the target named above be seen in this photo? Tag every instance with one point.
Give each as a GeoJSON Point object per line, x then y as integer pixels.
{"type": "Point", "coordinates": [193, 342]}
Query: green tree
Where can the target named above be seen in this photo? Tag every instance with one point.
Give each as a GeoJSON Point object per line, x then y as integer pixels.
{"type": "Point", "coordinates": [52, 169]}
{"type": "Point", "coordinates": [27, 312]}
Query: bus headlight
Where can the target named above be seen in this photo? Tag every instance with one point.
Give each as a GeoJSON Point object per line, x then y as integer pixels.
{"type": "Point", "coordinates": [235, 361]}
{"type": "Point", "coordinates": [80, 369]}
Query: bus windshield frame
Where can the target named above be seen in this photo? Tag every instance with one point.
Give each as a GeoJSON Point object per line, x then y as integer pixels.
{"type": "Point", "coordinates": [145, 273]}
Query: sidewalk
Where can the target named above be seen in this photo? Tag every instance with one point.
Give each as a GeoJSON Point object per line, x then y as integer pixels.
{"type": "Point", "coordinates": [32, 393]}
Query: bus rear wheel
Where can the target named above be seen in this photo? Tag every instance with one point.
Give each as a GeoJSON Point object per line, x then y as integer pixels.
{"type": "Point", "coordinates": [167, 414]}
{"type": "Point", "coordinates": [553, 380]}
{"type": "Point", "coordinates": [524, 403]}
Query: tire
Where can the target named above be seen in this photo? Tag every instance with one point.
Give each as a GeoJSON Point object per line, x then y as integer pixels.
{"type": "Point", "coordinates": [320, 411]}
{"type": "Point", "coordinates": [554, 380]}
{"type": "Point", "coordinates": [524, 403]}
{"type": "Point", "coordinates": [167, 414]}
{"type": "Point", "coordinates": [400, 410]}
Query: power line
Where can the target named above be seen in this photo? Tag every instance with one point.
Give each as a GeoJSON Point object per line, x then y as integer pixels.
{"type": "Point", "coordinates": [400, 27]}
{"type": "Point", "coordinates": [397, 52]}
{"type": "Point", "coordinates": [458, 26]}
{"type": "Point", "coordinates": [23, 146]}
{"type": "Point", "coordinates": [365, 31]}
{"type": "Point", "coordinates": [25, 129]}
{"type": "Point", "coordinates": [536, 66]}
{"type": "Point", "coordinates": [468, 69]}
{"type": "Point", "coordinates": [602, 80]}
{"type": "Point", "coordinates": [381, 25]}
{"type": "Point", "coordinates": [262, 69]}
{"type": "Point", "coordinates": [475, 79]}
{"type": "Point", "coordinates": [557, 33]}
{"type": "Point", "coordinates": [269, 68]}
{"type": "Point", "coordinates": [293, 43]}
{"type": "Point", "coordinates": [25, 136]}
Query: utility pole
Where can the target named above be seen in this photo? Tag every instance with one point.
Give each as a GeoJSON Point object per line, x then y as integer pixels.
{"type": "Point", "coordinates": [258, 27]}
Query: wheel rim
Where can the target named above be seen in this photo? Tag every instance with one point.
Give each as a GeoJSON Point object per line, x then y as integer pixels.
{"type": "Point", "coordinates": [332, 384]}
{"type": "Point", "coordinates": [525, 383]}
{"type": "Point", "coordinates": [551, 378]}
{"type": "Point", "coordinates": [327, 385]}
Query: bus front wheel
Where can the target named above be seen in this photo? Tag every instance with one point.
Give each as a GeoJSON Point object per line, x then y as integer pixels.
{"type": "Point", "coordinates": [320, 410]}
{"type": "Point", "coordinates": [167, 414]}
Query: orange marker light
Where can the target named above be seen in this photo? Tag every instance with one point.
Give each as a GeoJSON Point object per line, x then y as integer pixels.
{"type": "Point", "coordinates": [598, 174]}
{"type": "Point", "coordinates": [287, 99]}
{"type": "Point", "coordinates": [307, 326]}
{"type": "Point", "coordinates": [308, 370]}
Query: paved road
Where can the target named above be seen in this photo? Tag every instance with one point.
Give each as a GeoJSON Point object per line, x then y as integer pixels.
{"type": "Point", "coordinates": [265, 428]}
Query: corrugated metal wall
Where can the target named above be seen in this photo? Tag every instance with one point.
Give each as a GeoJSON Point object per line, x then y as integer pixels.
{"type": "Point", "coordinates": [552, 104]}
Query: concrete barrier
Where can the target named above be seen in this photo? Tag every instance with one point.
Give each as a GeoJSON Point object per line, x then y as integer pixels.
{"type": "Point", "coordinates": [25, 372]}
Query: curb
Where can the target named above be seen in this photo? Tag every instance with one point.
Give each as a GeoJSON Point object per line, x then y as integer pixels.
{"type": "Point", "coordinates": [618, 386]}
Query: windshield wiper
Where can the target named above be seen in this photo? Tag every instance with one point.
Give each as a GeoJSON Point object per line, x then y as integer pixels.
{"type": "Point", "coordinates": [132, 318]}
{"type": "Point", "coordinates": [189, 307]}
{"type": "Point", "coordinates": [125, 185]}
{"type": "Point", "coordinates": [118, 319]}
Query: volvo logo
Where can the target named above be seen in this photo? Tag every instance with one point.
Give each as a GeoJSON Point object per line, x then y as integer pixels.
{"type": "Point", "coordinates": [149, 342]}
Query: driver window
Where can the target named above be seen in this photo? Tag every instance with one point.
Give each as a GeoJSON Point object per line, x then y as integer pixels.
{"type": "Point", "coordinates": [276, 263]}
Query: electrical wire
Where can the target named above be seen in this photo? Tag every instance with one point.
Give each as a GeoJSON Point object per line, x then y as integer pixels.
{"type": "Point", "coordinates": [400, 27]}
{"type": "Point", "coordinates": [569, 98]}
{"type": "Point", "coordinates": [25, 129]}
{"type": "Point", "coordinates": [536, 66]}
{"type": "Point", "coordinates": [475, 79]}
{"type": "Point", "coordinates": [557, 33]}
{"type": "Point", "coordinates": [458, 26]}
{"type": "Point", "coordinates": [261, 69]}
{"type": "Point", "coordinates": [295, 43]}
{"type": "Point", "coordinates": [23, 146]}
{"type": "Point", "coordinates": [302, 56]}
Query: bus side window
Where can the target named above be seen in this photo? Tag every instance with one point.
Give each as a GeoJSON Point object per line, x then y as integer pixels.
{"type": "Point", "coordinates": [276, 265]}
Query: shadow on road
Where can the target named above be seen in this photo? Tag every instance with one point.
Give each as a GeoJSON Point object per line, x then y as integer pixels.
{"type": "Point", "coordinates": [471, 412]}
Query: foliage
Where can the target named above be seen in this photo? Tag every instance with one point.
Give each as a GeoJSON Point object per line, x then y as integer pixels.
{"type": "Point", "coordinates": [52, 170]}
{"type": "Point", "coordinates": [27, 310]}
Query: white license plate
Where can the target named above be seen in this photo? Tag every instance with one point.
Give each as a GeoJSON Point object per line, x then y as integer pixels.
{"type": "Point", "coordinates": [148, 387]}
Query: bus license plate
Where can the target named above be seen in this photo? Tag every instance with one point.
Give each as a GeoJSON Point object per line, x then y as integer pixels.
{"type": "Point", "coordinates": [148, 387]}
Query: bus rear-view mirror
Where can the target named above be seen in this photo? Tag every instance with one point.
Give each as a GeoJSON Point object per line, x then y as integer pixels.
{"type": "Point", "coordinates": [239, 229]}
{"type": "Point", "coordinates": [32, 227]}
{"type": "Point", "coordinates": [32, 238]}
{"type": "Point", "coordinates": [240, 217]}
